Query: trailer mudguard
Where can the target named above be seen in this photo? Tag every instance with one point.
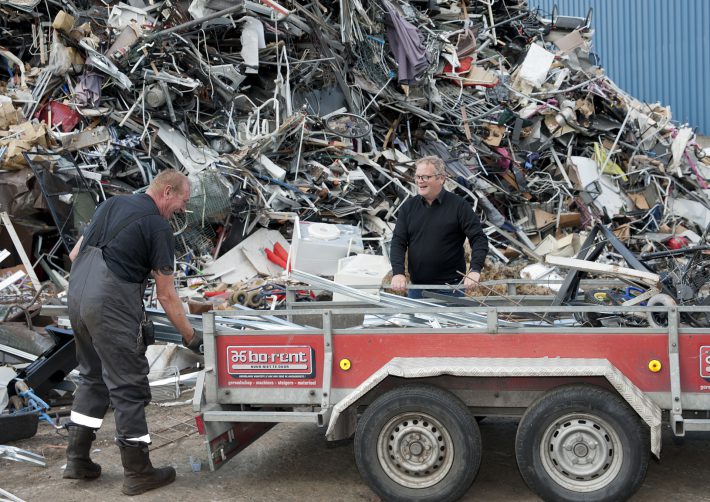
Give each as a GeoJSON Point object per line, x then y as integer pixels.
{"type": "Point", "coordinates": [421, 367]}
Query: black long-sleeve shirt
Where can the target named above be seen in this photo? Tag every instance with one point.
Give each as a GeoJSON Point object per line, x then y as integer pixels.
{"type": "Point", "coordinates": [434, 235]}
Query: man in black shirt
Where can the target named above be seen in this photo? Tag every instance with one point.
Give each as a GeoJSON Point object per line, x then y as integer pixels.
{"type": "Point", "coordinates": [128, 239]}
{"type": "Point", "coordinates": [432, 227]}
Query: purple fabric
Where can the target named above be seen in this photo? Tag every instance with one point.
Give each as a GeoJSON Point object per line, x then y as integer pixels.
{"type": "Point", "coordinates": [88, 90]}
{"type": "Point", "coordinates": [407, 45]}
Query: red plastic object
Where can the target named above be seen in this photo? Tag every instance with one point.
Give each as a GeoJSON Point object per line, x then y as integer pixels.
{"type": "Point", "coordinates": [200, 423]}
{"type": "Point", "coordinates": [677, 242]}
{"type": "Point", "coordinates": [274, 258]}
{"type": "Point", "coordinates": [62, 116]}
{"type": "Point", "coordinates": [281, 252]}
{"type": "Point", "coordinates": [211, 294]}
{"type": "Point", "coordinates": [465, 66]}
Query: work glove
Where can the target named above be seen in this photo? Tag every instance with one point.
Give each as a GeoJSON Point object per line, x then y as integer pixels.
{"type": "Point", "coordinates": [195, 343]}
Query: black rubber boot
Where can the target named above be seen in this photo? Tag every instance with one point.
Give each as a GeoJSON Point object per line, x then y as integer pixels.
{"type": "Point", "coordinates": [139, 474]}
{"type": "Point", "coordinates": [79, 464]}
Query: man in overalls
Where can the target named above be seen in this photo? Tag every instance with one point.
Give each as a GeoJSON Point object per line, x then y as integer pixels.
{"type": "Point", "coordinates": [128, 238]}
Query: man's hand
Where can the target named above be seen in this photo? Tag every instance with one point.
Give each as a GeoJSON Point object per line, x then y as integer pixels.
{"type": "Point", "coordinates": [194, 343]}
{"type": "Point", "coordinates": [399, 282]}
{"type": "Point", "coordinates": [471, 280]}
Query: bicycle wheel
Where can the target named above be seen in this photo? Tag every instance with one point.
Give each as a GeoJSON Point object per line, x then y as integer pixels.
{"type": "Point", "coordinates": [348, 125]}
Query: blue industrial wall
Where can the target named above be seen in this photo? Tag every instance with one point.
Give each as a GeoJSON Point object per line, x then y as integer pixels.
{"type": "Point", "coordinates": [656, 50]}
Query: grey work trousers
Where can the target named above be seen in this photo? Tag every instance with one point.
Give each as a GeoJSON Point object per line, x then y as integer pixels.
{"type": "Point", "coordinates": [105, 314]}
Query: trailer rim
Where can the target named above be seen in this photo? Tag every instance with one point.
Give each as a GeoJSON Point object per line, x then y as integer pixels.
{"type": "Point", "coordinates": [415, 450]}
{"type": "Point", "coordinates": [581, 452]}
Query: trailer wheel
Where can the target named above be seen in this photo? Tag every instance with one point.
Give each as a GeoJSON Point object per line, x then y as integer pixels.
{"type": "Point", "coordinates": [418, 443]}
{"type": "Point", "coordinates": [582, 443]}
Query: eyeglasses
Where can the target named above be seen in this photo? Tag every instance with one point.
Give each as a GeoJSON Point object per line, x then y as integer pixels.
{"type": "Point", "coordinates": [425, 177]}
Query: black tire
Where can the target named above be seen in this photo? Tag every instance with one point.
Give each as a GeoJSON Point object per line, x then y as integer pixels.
{"type": "Point", "coordinates": [418, 420]}
{"type": "Point", "coordinates": [590, 319]}
{"type": "Point", "coordinates": [557, 446]}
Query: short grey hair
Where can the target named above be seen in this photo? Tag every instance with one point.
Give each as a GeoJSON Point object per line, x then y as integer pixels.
{"type": "Point", "coordinates": [434, 161]}
{"type": "Point", "coordinates": [169, 177]}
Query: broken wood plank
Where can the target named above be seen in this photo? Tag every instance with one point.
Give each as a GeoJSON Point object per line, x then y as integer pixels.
{"type": "Point", "coordinates": [591, 266]}
{"type": "Point", "coordinates": [20, 250]}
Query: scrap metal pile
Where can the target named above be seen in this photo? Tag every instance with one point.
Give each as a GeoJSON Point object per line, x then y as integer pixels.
{"type": "Point", "coordinates": [315, 111]}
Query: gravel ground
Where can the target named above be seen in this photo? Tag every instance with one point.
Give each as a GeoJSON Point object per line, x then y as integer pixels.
{"type": "Point", "coordinates": [293, 462]}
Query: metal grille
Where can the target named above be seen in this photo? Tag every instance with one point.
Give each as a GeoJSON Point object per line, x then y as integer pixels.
{"type": "Point", "coordinates": [178, 425]}
{"type": "Point", "coordinates": [209, 203]}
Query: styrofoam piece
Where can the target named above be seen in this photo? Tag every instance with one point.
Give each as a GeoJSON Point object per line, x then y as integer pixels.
{"type": "Point", "coordinates": [274, 171]}
{"type": "Point", "coordinates": [361, 269]}
{"type": "Point", "coordinates": [317, 247]}
{"type": "Point", "coordinates": [536, 65]}
{"type": "Point", "coordinates": [543, 274]}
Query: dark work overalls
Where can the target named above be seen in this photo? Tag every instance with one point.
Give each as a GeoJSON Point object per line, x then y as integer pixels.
{"type": "Point", "coordinates": [105, 313]}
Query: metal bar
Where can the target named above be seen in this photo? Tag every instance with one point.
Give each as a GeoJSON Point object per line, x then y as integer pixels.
{"type": "Point", "coordinates": [198, 400]}
{"type": "Point", "coordinates": [327, 359]}
{"type": "Point", "coordinates": [569, 287]}
{"type": "Point", "coordinates": [616, 140]}
{"type": "Point", "coordinates": [260, 416]}
{"type": "Point", "coordinates": [676, 411]}
{"type": "Point", "coordinates": [209, 342]}
{"type": "Point", "coordinates": [695, 424]}
{"type": "Point", "coordinates": [623, 250]}
{"type": "Point", "coordinates": [431, 308]}
{"type": "Point", "coordinates": [466, 318]}
{"type": "Point", "coordinates": [385, 299]}
{"type": "Point", "coordinates": [17, 353]}
{"type": "Point", "coordinates": [492, 320]}
{"type": "Point", "coordinates": [10, 496]}
{"type": "Point", "coordinates": [672, 253]}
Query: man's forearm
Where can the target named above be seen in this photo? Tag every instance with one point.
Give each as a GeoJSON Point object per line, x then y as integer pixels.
{"type": "Point", "coordinates": [75, 250]}
{"type": "Point", "coordinates": [170, 301]}
{"type": "Point", "coordinates": [176, 314]}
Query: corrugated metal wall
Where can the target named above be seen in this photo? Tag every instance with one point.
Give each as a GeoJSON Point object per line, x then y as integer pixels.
{"type": "Point", "coordinates": [656, 50]}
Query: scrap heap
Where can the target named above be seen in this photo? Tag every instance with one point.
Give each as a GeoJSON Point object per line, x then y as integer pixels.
{"type": "Point", "coordinates": [314, 112]}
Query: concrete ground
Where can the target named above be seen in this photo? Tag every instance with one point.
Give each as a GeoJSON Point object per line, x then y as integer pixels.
{"type": "Point", "coordinates": [293, 462]}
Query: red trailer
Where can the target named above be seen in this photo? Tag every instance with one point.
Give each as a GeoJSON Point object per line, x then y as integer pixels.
{"type": "Point", "coordinates": [591, 401]}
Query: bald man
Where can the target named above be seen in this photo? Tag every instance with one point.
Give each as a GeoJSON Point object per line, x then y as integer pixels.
{"type": "Point", "coordinates": [128, 239]}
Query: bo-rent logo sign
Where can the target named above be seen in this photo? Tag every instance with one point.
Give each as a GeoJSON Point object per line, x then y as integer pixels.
{"type": "Point", "coordinates": [270, 361]}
